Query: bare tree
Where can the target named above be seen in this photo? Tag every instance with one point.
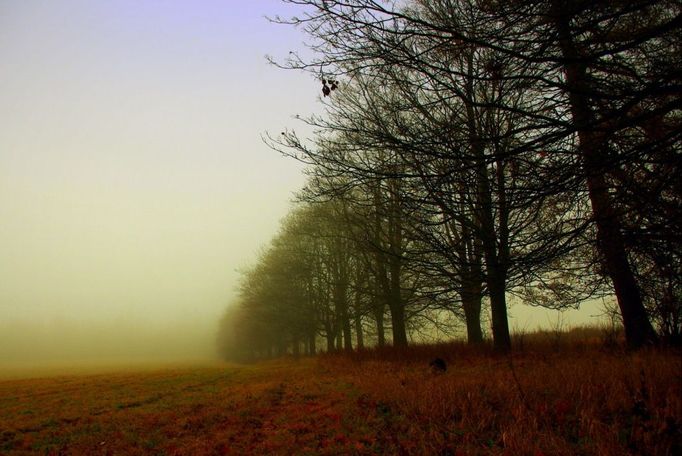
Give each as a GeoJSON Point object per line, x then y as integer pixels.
{"type": "Point", "coordinates": [589, 73]}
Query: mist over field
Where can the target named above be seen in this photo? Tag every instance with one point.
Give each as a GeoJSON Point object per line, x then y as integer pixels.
{"type": "Point", "coordinates": [136, 183]}
{"type": "Point", "coordinates": [133, 181]}
{"type": "Point", "coordinates": [69, 342]}
{"type": "Point", "coordinates": [358, 227]}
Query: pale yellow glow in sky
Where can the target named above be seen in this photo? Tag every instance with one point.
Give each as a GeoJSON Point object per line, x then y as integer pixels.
{"type": "Point", "coordinates": [133, 180]}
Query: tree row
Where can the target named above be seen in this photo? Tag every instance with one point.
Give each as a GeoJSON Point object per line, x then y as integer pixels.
{"type": "Point", "coordinates": [475, 150]}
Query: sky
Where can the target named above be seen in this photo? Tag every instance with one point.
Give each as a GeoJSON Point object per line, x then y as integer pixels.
{"type": "Point", "coordinates": [134, 184]}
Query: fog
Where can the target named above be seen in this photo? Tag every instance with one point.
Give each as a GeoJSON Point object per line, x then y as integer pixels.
{"type": "Point", "coordinates": [133, 180]}
{"type": "Point", "coordinates": [134, 184]}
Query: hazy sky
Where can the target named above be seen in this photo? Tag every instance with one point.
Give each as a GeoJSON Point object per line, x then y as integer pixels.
{"type": "Point", "coordinates": [133, 180]}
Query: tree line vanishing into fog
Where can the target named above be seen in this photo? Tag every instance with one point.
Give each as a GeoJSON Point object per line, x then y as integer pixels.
{"type": "Point", "coordinates": [475, 150]}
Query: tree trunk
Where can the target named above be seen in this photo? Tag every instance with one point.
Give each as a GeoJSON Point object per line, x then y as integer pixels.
{"type": "Point", "coordinates": [592, 148]}
{"type": "Point", "coordinates": [638, 328]}
{"type": "Point", "coordinates": [398, 326]}
{"type": "Point", "coordinates": [471, 287]}
{"type": "Point", "coordinates": [472, 314]}
{"type": "Point", "coordinates": [312, 348]}
{"type": "Point", "coordinates": [347, 335]}
{"type": "Point", "coordinates": [359, 334]}
{"type": "Point", "coordinates": [381, 334]}
{"type": "Point", "coordinates": [396, 306]}
{"type": "Point", "coordinates": [330, 336]}
{"type": "Point", "coordinates": [338, 345]}
{"type": "Point", "coordinates": [498, 310]}
{"type": "Point", "coordinates": [344, 321]}
{"type": "Point", "coordinates": [494, 269]}
{"type": "Point", "coordinates": [377, 307]}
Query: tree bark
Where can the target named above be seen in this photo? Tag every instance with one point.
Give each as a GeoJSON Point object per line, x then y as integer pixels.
{"type": "Point", "coordinates": [347, 336]}
{"type": "Point", "coordinates": [330, 336]}
{"type": "Point", "coordinates": [495, 267]}
{"type": "Point", "coordinates": [312, 348]}
{"type": "Point", "coordinates": [395, 235]}
{"type": "Point", "coordinates": [495, 270]}
{"type": "Point", "coordinates": [471, 288]}
{"type": "Point", "coordinates": [592, 147]}
{"type": "Point", "coordinates": [398, 326]}
{"type": "Point", "coordinates": [359, 334]}
{"type": "Point", "coordinates": [381, 334]}
{"type": "Point", "coordinates": [472, 314]}
{"type": "Point", "coordinates": [396, 304]}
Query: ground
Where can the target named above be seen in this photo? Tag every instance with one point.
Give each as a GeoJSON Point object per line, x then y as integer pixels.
{"type": "Point", "coordinates": [582, 400]}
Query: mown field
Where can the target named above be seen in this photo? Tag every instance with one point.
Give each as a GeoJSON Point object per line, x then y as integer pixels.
{"type": "Point", "coordinates": [578, 400]}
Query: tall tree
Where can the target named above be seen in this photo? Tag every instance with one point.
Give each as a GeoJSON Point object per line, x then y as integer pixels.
{"type": "Point", "coordinates": [590, 72]}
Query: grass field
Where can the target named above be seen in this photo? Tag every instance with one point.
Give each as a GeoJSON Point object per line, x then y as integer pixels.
{"type": "Point", "coordinates": [579, 400]}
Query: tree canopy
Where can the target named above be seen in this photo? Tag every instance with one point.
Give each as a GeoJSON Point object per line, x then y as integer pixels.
{"type": "Point", "coordinates": [473, 149]}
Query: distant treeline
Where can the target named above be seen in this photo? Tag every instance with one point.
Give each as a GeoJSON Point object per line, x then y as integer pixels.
{"type": "Point", "coordinates": [471, 150]}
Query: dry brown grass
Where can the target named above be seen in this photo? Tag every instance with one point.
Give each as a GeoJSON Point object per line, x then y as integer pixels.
{"type": "Point", "coordinates": [546, 400]}
{"type": "Point", "coordinates": [575, 400]}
